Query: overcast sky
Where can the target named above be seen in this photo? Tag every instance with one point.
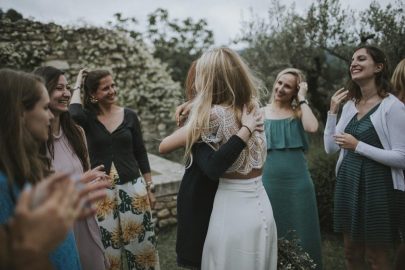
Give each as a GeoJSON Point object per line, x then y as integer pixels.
{"type": "Point", "coordinates": [223, 16]}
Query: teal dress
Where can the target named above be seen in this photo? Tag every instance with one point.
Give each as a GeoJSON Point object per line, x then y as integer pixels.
{"type": "Point", "coordinates": [365, 206]}
{"type": "Point", "coordinates": [289, 185]}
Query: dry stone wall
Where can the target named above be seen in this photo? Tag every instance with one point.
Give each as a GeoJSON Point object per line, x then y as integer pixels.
{"type": "Point", "coordinates": [143, 81]}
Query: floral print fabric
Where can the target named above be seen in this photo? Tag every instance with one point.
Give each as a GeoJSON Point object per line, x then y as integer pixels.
{"type": "Point", "coordinates": [127, 230]}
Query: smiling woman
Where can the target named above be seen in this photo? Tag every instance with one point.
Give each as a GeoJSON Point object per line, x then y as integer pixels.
{"type": "Point", "coordinates": [290, 189]}
{"type": "Point", "coordinates": [115, 140]}
{"type": "Point", "coordinates": [67, 150]}
{"type": "Point", "coordinates": [369, 136]}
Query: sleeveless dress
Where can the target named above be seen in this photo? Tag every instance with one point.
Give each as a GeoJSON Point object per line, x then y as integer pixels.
{"type": "Point", "coordinates": [365, 206]}
{"type": "Point", "coordinates": [289, 185]}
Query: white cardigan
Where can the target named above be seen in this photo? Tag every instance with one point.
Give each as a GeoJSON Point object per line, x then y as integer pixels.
{"type": "Point", "coordinates": [389, 123]}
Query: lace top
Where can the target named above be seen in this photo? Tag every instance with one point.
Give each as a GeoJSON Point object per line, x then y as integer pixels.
{"type": "Point", "coordinates": [223, 124]}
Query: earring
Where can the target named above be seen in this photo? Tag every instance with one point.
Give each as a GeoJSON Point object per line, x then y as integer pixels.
{"type": "Point", "coordinates": [93, 100]}
{"type": "Point", "coordinates": [294, 104]}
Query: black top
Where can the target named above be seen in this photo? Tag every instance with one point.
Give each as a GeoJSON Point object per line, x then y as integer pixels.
{"type": "Point", "coordinates": [196, 197]}
{"type": "Point", "coordinates": [124, 146]}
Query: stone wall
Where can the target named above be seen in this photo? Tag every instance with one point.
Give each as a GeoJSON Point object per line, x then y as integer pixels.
{"type": "Point", "coordinates": [143, 82]}
{"type": "Point", "coordinates": [167, 176]}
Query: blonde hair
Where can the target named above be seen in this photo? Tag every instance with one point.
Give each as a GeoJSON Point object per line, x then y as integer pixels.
{"type": "Point", "coordinates": [300, 77]}
{"type": "Point", "coordinates": [222, 78]}
{"type": "Point", "coordinates": [398, 80]}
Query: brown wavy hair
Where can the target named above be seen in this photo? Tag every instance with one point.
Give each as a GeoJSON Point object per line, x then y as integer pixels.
{"type": "Point", "coordinates": [381, 78]}
{"type": "Point", "coordinates": [90, 84]}
{"type": "Point", "coordinates": [19, 151]}
{"type": "Point", "coordinates": [73, 133]}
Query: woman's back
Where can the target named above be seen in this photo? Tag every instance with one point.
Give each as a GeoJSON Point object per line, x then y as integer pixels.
{"type": "Point", "coordinates": [222, 125]}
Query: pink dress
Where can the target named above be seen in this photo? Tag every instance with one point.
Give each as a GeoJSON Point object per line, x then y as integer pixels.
{"type": "Point", "coordinates": [87, 232]}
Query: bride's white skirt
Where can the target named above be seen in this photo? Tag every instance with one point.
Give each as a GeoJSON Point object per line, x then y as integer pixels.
{"type": "Point", "coordinates": [242, 233]}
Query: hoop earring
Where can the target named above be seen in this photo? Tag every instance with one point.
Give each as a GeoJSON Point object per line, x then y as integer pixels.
{"type": "Point", "coordinates": [93, 100]}
{"type": "Point", "coordinates": [294, 104]}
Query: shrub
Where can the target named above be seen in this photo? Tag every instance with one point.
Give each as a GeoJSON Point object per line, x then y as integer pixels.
{"type": "Point", "coordinates": [322, 169]}
{"type": "Point", "coordinates": [291, 255]}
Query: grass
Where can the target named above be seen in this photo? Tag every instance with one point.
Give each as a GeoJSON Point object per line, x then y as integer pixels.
{"type": "Point", "coordinates": [332, 251]}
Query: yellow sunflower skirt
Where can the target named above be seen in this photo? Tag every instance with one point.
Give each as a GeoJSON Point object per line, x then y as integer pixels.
{"type": "Point", "coordinates": [126, 226]}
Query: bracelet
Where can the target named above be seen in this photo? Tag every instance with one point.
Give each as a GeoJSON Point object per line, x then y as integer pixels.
{"type": "Point", "coordinates": [303, 101]}
{"type": "Point", "coordinates": [150, 186]}
{"type": "Point", "coordinates": [248, 129]}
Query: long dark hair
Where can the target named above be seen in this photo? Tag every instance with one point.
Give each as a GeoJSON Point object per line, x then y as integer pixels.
{"type": "Point", "coordinates": [73, 133]}
{"type": "Point", "coordinates": [381, 78]}
{"type": "Point", "coordinates": [19, 151]}
{"type": "Point", "coordinates": [90, 84]}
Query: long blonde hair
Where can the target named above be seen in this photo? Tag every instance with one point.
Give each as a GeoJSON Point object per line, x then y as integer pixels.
{"type": "Point", "coordinates": [398, 80]}
{"type": "Point", "coordinates": [222, 77]}
{"type": "Point", "coordinates": [300, 77]}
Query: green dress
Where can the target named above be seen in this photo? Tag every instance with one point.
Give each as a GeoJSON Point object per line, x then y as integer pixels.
{"type": "Point", "coordinates": [365, 206]}
{"type": "Point", "coordinates": [289, 185]}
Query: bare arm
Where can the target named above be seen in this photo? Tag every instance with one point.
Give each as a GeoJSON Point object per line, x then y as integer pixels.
{"type": "Point", "coordinates": [308, 119]}
{"type": "Point", "coordinates": [174, 141]}
{"type": "Point", "coordinates": [76, 99]}
{"type": "Point", "coordinates": [252, 121]}
{"type": "Point", "coordinates": [331, 123]}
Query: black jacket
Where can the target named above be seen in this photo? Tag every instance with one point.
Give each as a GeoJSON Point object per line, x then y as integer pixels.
{"type": "Point", "coordinates": [196, 197]}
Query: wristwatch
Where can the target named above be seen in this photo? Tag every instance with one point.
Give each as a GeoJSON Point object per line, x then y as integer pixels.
{"type": "Point", "coordinates": [303, 101]}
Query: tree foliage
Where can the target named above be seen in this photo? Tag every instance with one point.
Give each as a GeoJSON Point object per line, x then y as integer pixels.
{"type": "Point", "coordinates": [320, 42]}
{"type": "Point", "coordinates": [175, 42]}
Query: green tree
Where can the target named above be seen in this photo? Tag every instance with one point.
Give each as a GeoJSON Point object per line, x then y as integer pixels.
{"type": "Point", "coordinates": [320, 42]}
{"type": "Point", "coordinates": [177, 42]}
{"type": "Point", "coordinates": [386, 27]}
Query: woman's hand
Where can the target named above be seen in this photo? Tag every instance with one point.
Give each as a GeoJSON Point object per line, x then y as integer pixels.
{"type": "Point", "coordinates": [95, 174]}
{"type": "Point", "coordinates": [42, 228]}
{"type": "Point", "coordinates": [182, 113]}
{"type": "Point", "coordinates": [45, 187]}
{"type": "Point", "coordinates": [337, 99]}
{"type": "Point", "coordinates": [346, 141]}
{"type": "Point", "coordinates": [253, 119]}
{"type": "Point", "coordinates": [302, 92]}
{"type": "Point", "coordinates": [91, 186]}
{"type": "Point", "coordinates": [80, 77]}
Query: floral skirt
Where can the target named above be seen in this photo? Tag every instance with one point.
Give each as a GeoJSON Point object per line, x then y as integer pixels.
{"type": "Point", "coordinates": [126, 226]}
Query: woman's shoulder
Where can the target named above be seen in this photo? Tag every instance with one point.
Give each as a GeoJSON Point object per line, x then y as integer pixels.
{"type": "Point", "coordinates": [391, 104]}
{"type": "Point", "coordinates": [219, 112]}
{"type": "Point", "coordinates": [349, 106]}
{"type": "Point", "coordinates": [130, 114]}
{"type": "Point", "coordinates": [129, 111]}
